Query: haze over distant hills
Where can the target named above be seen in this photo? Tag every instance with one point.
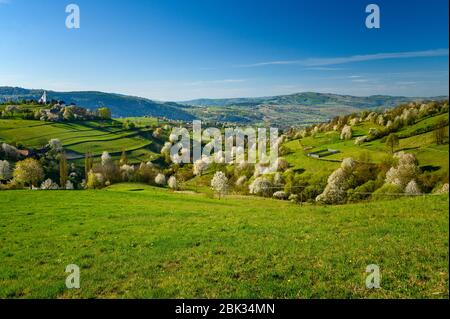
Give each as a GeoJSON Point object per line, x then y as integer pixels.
{"type": "Point", "coordinates": [284, 110]}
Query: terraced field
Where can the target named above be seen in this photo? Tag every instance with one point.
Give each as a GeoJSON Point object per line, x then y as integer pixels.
{"type": "Point", "coordinates": [79, 138]}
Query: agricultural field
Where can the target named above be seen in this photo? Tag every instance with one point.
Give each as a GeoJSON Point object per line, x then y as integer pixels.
{"type": "Point", "coordinates": [79, 138]}
{"type": "Point", "coordinates": [138, 241]}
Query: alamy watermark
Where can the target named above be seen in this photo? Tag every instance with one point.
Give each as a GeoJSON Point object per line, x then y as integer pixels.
{"type": "Point", "coordinates": [73, 279]}
{"type": "Point", "coordinates": [233, 145]}
{"type": "Point", "coordinates": [373, 19]}
{"type": "Point", "coordinates": [73, 19]}
{"type": "Point", "coordinates": [373, 280]}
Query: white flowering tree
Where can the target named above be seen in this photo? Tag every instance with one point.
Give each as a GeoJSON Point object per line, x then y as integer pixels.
{"type": "Point", "coordinates": [48, 184]}
{"type": "Point", "coordinates": [405, 171]}
{"type": "Point", "coordinates": [261, 186]}
{"type": "Point", "coordinates": [346, 133]}
{"type": "Point", "coordinates": [412, 188]}
{"type": "Point", "coordinates": [5, 171]}
{"type": "Point", "coordinates": [172, 182]}
{"type": "Point", "coordinates": [219, 183]}
{"type": "Point", "coordinates": [336, 189]}
{"type": "Point", "coordinates": [55, 145]}
{"type": "Point", "coordinates": [106, 159]}
{"type": "Point", "coordinates": [200, 166]}
{"type": "Point", "coordinates": [160, 179]}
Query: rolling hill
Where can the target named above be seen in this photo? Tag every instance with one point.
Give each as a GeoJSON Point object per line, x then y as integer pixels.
{"type": "Point", "coordinates": [285, 110]}
{"type": "Point", "coordinates": [120, 105]}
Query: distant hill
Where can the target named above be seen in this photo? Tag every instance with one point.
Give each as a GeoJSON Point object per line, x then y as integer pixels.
{"type": "Point", "coordinates": [294, 109]}
{"type": "Point", "coordinates": [284, 110]}
{"type": "Point", "coordinates": [313, 99]}
{"type": "Point", "coordinates": [120, 105]}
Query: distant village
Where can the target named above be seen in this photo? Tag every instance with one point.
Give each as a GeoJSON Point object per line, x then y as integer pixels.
{"type": "Point", "coordinates": [54, 111]}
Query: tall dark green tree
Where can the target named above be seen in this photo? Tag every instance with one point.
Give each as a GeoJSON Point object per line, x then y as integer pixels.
{"type": "Point", "coordinates": [392, 142]}
{"type": "Point", "coordinates": [63, 171]}
{"type": "Point", "coordinates": [88, 163]}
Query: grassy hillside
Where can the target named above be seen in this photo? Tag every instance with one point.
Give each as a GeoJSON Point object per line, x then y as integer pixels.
{"type": "Point", "coordinates": [120, 105]}
{"type": "Point", "coordinates": [412, 140]}
{"type": "Point", "coordinates": [298, 109]}
{"type": "Point", "coordinates": [81, 137]}
{"type": "Point", "coordinates": [134, 241]}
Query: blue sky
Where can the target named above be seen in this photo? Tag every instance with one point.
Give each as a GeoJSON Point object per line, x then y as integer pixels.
{"type": "Point", "coordinates": [185, 49]}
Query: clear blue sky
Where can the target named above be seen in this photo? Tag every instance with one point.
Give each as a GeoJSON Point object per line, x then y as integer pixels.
{"type": "Point", "coordinates": [184, 49]}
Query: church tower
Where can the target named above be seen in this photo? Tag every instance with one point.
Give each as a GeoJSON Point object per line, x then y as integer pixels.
{"type": "Point", "coordinates": [43, 99]}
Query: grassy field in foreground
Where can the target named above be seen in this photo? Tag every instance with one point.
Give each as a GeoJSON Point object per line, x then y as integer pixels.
{"type": "Point", "coordinates": [137, 241]}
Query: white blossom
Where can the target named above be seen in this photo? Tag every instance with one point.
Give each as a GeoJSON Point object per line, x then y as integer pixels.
{"type": "Point", "coordinates": [49, 185]}
{"type": "Point", "coordinates": [346, 133]}
{"type": "Point", "coordinates": [69, 185]}
{"type": "Point", "coordinates": [5, 170]}
{"type": "Point", "coordinates": [199, 167]}
{"type": "Point", "coordinates": [261, 186]}
{"type": "Point", "coordinates": [160, 179]}
{"type": "Point", "coordinates": [404, 172]}
{"type": "Point", "coordinates": [241, 180]}
{"type": "Point", "coordinates": [106, 159]}
{"type": "Point", "coordinates": [280, 195]}
{"type": "Point", "coordinates": [412, 188]}
{"type": "Point", "coordinates": [172, 182]}
{"type": "Point", "coordinates": [219, 183]}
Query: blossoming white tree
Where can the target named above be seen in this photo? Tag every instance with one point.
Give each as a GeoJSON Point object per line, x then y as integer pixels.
{"type": "Point", "coordinates": [200, 166]}
{"type": "Point", "coordinates": [160, 179]}
{"type": "Point", "coordinates": [346, 133]}
{"type": "Point", "coordinates": [219, 183]}
{"type": "Point", "coordinates": [5, 171]}
{"type": "Point", "coordinates": [336, 189]}
{"type": "Point", "coordinates": [412, 188]}
{"type": "Point", "coordinates": [404, 172]}
{"type": "Point", "coordinates": [261, 186]}
{"type": "Point", "coordinates": [48, 184]}
{"type": "Point", "coordinates": [106, 159]}
{"type": "Point", "coordinates": [172, 182]}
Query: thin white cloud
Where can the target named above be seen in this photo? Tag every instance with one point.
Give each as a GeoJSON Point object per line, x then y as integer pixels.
{"type": "Point", "coordinates": [5, 2]}
{"type": "Point", "coordinates": [225, 81]}
{"type": "Point", "coordinates": [320, 62]}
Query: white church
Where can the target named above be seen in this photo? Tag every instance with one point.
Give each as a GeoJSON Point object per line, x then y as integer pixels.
{"type": "Point", "coordinates": [43, 99]}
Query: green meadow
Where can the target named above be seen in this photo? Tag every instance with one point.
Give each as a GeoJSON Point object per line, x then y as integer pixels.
{"type": "Point", "coordinates": [137, 241]}
{"type": "Point", "coordinates": [79, 138]}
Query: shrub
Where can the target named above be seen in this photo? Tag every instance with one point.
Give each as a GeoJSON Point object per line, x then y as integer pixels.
{"type": "Point", "coordinates": [28, 172]}
{"type": "Point", "coordinates": [388, 191]}
{"type": "Point", "coordinates": [127, 172]}
{"type": "Point", "coordinates": [48, 184]}
{"type": "Point", "coordinates": [69, 185]}
{"type": "Point", "coordinates": [280, 195]}
{"type": "Point", "coordinates": [361, 192]}
{"type": "Point", "coordinates": [261, 186]}
{"type": "Point", "coordinates": [95, 180]}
